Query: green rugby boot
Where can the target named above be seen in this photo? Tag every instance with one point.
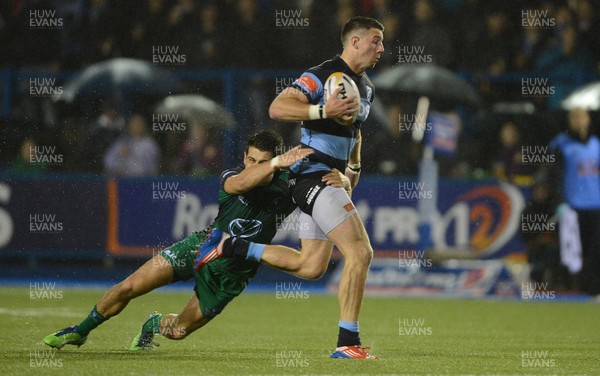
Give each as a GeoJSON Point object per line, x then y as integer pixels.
{"type": "Point", "coordinates": [66, 336]}
{"type": "Point", "coordinates": [145, 339]}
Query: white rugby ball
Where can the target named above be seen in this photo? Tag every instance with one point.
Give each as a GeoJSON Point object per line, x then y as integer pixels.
{"type": "Point", "coordinates": [340, 79]}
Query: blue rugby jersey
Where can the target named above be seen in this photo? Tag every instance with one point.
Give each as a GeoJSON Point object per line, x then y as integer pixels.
{"type": "Point", "coordinates": [580, 163]}
{"type": "Point", "coordinates": [331, 141]}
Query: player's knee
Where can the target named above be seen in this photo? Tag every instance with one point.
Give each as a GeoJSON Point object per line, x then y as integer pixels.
{"type": "Point", "coordinates": [360, 256]}
{"type": "Point", "coordinates": [313, 272]}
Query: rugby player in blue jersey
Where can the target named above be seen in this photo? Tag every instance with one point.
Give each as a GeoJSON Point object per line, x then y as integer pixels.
{"type": "Point", "coordinates": [328, 213]}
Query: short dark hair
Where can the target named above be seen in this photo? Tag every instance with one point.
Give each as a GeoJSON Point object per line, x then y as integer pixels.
{"type": "Point", "coordinates": [266, 141]}
{"type": "Point", "coordinates": [360, 22]}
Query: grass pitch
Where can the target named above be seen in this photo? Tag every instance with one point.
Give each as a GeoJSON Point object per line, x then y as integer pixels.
{"type": "Point", "coordinates": [260, 334]}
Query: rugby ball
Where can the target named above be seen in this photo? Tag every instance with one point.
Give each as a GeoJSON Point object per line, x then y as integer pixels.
{"type": "Point", "coordinates": [340, 79]}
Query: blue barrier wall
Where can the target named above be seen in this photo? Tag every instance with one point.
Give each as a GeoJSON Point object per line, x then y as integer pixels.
{"type": "Point", "coordinates": [137, 217]}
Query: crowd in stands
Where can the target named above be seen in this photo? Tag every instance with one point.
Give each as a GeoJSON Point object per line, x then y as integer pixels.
{"type": "Point", "coordinates": [480, 38]}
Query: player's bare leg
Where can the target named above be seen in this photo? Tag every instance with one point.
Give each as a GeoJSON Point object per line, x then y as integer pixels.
{"type": "Point", "coordinates": [309, 263]}
{"type": "Point", "coordinates": [353, 242]}
{"type": "Point", "coordinates": [154, 273]}
{"type": "Point", "coordinates": [189, 320]}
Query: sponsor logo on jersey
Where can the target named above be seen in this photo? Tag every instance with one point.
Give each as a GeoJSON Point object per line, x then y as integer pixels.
{"type": "Point", "coordinates": [365, 108]}
{"type": "Point", "coordinates": [243, 200]}
{"type": "Point", "coordinates": [245, 228]}
{"type": "Point", "coordinates": [312, 193]}
{"type": "Point", "coordinates": [308, 82]}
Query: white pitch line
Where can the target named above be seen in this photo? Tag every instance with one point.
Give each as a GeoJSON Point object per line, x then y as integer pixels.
{"type": "Point", "coordinates": [38, 312]}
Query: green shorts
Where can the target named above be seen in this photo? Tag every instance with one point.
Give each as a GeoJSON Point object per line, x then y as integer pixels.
{"type": "Point", "coordinates": [216, 284]}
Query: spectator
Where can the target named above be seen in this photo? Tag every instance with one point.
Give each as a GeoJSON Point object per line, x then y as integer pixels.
{"type": "Point", "coordinates": [246, 23]}
{"type": "Point", "coordinates": [588, 26]}
{"type": "Point", "coordinates": [99, 31]}
{"type": "Point", "coordinates": [147, 29]}
{"type": "Point", "coordinates": [508, 164]}
{"type": "Point", "coordinates": [199, 156]}
{"type": "Point", "coordinates": [330, 17]}
{"type": "Point", "coordinates": [532, 42]}
{"type": "Point", "coordinates": [491, 52]}
{"type": "Point", "coordinates": [134, 154]}
{"type": "Point", "coordinates": [32, 42]}
{"type": "Point", "coordinates": [430, 35]}
{"type": "Point", "coordinates": [560, 61]}
{"type": "Point", "coordinates": [392, 152]}
{"type": "Point", "coordinates": [205, 45]}
{"type": "Point", "coordinates": [577, 163]}
{"type": "Point", "coordinates": [540, 239]}
{"type": "Point", "coordinates": [25, 163]}
{"type": "Point", "coordinates": [101, 134]}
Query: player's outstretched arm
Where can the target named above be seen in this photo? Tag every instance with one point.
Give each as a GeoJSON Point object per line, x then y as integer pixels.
{"type": "Point", "coordinates": [292, 105]}
{"type": "Point", "coordinates": [253, 176]}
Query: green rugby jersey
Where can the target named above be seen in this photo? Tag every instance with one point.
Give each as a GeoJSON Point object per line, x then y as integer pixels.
{"type": "Point", "coordinates": [254, 216]}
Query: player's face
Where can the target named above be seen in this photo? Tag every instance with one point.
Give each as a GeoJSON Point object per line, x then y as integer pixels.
{"type": "Point", "coordinates": [255, 157]}
{"type": "Point", "coordinates": [370, 46]}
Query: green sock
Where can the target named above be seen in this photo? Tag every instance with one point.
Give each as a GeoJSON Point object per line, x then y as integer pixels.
{"type": "Point", "coordinates": [152, 325]}
{"type": "Point", "coordinates": [91, 322]}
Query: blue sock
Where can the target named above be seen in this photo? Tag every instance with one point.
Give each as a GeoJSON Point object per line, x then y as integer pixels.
{"type": "Point", "coordinates": [349, 325]}
{"type": "Point", "coordinates": [255, 251]}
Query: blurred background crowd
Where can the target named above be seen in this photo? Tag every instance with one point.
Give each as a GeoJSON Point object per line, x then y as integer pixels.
{"type": "Point", "coordinates": [492, 44]}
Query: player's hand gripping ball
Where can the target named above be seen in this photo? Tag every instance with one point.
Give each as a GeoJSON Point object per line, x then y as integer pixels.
{"type": "Point", "coordinates": [349, 88]}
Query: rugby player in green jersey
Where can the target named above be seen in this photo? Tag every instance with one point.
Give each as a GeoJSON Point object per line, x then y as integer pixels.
{"type": "Point", "coordinates": [252, 200]}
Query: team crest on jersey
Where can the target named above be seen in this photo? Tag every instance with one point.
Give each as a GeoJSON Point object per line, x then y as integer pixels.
{"type": "Point", "coordinates": [369, 93]}
{"type": "Point", "coordinates": [245, 228]}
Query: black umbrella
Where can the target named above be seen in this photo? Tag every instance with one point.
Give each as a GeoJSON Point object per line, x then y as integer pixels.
{"type": "Point", "coordinates": [119, 79]}
{"type": "Point", "coordinates": [431, 81]}
{"type": "Point", "coordinates": [196, 108]}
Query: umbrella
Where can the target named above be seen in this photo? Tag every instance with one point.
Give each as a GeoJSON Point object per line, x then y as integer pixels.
{"type": "Point", "coordinates": [196, 108]}
{"type": "Point", "coordinates": [431, 81]}
{"type": "Point", "coordinates": [119, 79]}
{"type": "Point", "coordinates": [587, 97]}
